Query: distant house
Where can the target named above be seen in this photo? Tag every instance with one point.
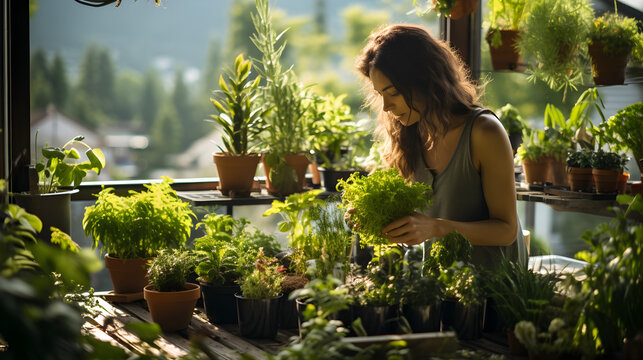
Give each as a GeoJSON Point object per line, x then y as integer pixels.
{"type": "Point", "coordinates": [197, 160]}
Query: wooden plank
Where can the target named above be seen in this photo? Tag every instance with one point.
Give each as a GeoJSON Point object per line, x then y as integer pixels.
{"type": "Point", "coordinates": [421, 345]}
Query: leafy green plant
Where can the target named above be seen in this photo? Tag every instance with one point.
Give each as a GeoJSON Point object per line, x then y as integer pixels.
{"type": "Point", "coordinates": [424, 290]}
{"type": "Point", "coordinates": [19, 230]}
{"type": "Point", "coordinates": [520, 293]}
{"type": "Point", "coordinates": [533, 145]}
{"type": "Point", "coordinates": [579, 159]}
{"type": "Point", "coordinates": [612, 292]}
{"type": "Point", "coordinates": [329, 244]}
{"type": "Point", "coordinates": [324, 295]}
{"type": "Point", "coordinates": [625, 128]}
{"type": "Point", "coordinates": [264, 282]}
{"type": "Point", "coordinates": [550, 344]}
{"type": "Point", "coordinates": [239, 116]}
{"type": "Point", "coordinates": [555, 33]}
{"type": "Point", "coordinates": [618, 34]}
{"type": "Point", "coordinates": [505, 15]}
{"type": "Point", "coordinates": [141, 224]}
{"type": "Point", "coordinates": [462, 282]}
{"type": "Point", "coordinates": [170, 268]}
{"type": "Point", "coordinates": [58, 168]}
{"type": "Point", "coordinates": [295, 212]}
{"type": "Point", "coordinates": [608, 161]}
{"type": "Point", "coordinates": [382, 189]}
{"type": "Point", "coordinates": [453, 247]}
{"type": "Point", "coordinates": [511, 119]}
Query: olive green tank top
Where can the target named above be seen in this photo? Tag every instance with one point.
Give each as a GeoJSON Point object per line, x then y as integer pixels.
{"type": "Point", "coordinates": [458, 196]}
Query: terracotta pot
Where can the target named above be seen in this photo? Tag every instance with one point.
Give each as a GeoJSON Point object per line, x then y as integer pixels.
{"type": "Point", "coordinates": [53, 209]}
{"type": "Point", "coordinates": [607, 69]}
{"type": "Point", "coordinates": [535, 171]}
{"type": "Point", "coordinates": [463, 7]}
{"type": "Point", "coordinates": [606, 181]}
{"type": "Point", "coordinates": [580, 179]}
{"type": "Point", "coordinates": [172, 310]}
{"type": "Point", "coordinates": [299, 163]}
{"type": "Point", "coordinates": [236, 173]}
{"type": "Point", "coordinates": [622, 182]}
{"type": "Point", "coordinates": [258, 318]}
{"type": "Point", "coordinates": [515, 346]}
{"type": "Point", "coordinates": [505, 56]}
{"type": "Point", "coordinates": [637, 188]}
{"type": "Point", "coordinates": [557, 171]}
{"type": "Point", "coordinates": [128, 275]}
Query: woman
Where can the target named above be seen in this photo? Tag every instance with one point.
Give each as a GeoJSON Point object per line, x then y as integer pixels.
{"type": "Point", "coordinates": [434, 130]}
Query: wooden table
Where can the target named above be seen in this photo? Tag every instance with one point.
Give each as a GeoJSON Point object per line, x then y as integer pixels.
{"type": "Point", "coordinates": [109, 320]}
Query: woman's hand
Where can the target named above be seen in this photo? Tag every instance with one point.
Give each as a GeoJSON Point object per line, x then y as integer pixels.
{"type": "Point", "coordinates": [412, 230]}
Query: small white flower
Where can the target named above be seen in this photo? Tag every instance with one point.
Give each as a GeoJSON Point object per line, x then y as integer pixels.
{"type": "Point", "coordinates": [526, 333]}
{"type": "Point", "coordinates": [556, 325]}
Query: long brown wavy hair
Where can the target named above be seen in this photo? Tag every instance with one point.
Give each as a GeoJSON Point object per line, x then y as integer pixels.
{"type": "Point", "coordinates": [418, 65]}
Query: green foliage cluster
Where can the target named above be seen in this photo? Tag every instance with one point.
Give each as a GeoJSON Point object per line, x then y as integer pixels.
{"type": "Point", "coordinates": [382, 189]}
{"type": "Point", "coordinates": [325, 295]}
{"type": "Point", "coordinates": [228, 247]}
{"type": "Point", "coordinates": [504, 15]}
{"type": "Point", "coordinates": [612, 292]}
{"type": "Point", "coordinates": [462, 282]}
{"type": "Point", "coordinates": [533, 146]}
{"type": "Point", "coordinates": [419, 286]}
{"type": "Point", "coordinates": [446, 251]}
{"type": "Point", "coordinates": [264, 282]}
{"type": "Point", "coordinates": [141, 224]}
{"type": "Point", "coordinates": [618, 34]}
{"type": "Point", "coordinates": [511, 120]}
{"type": "Point", "coordinates": [547, 344]}
{"type": "Point", "coordinates": [555, 33]}
{"type": "Point", "coordinates": [603, 160]}
{"type": "Point", "coordinates": [56, 169]}
{"type": "Point", "coordinates": [579, 159]}
{"type": "Point", "coordinates": [239, 116]}
{"type": "Point", "coordinates": [329, 243]}
{"type": "Point", "coordinates": [520, 293]}
{"type": "Point", "coordinates": [625, 128]}
{"type": "Point", "coordinates": [170, 269]}
{"type": "Point", "coordinates": [19, 229]}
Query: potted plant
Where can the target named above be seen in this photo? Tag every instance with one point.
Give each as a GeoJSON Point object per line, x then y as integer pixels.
{"type": "Point", "coordinates": [532, 154]}
{"type": "Point", "coordinates": [335, 138]}
{"type": "Point", "coordinates": [518, 293]}
{"type": "Point", "coordinates": [258, 302]}
{"type": "Point", "coordinates": [454, 9]}
{"type": "Point", "coordinates": [612, 38]}
{"type": "Point", "coordinates": [544, 345]}
{"type": "Point", "coordinates": [225, 254]}
{"type": "Point", "coordinates": [464, 305]}
{"type": "Point", "coordinates": [286, 128]}
{"type": "Point", "coordinates": [240, 117]}
{"type": "Point", "coordinates": [134, 228]}
{"type": "Point", "coordinates": [513, 124]}
{"type": "Point", "coordinates": [170, 298]}
{"type": "Point", "coordinates": [59, 171]}
{"type": "Point", "coordinates": [504, 32]}
{"type": "Point", "coordinates": [382, 189]}
{"type": "Point", "coordinates": [579, 170]}
{"type": "Point", "coordinates": [555, 33]}
{"type": "Point", "coordinates": [606, 168]}
{"type": "Point", "coordinates": [625, 128]}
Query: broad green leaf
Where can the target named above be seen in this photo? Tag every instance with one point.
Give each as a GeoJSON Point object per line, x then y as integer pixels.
{"type": "Point", "coordinates": [73, 153]}
{"type": "Point", "coordinates": [97, 158]}
{"type": "Point", "coordinates": [51, 153]}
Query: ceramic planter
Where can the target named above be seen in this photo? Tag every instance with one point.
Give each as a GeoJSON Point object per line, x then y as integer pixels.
{"type": "Point", "coordinates": [128, 275]}
{"type": "Point", "coordinates": [376, 319]}
{"type": "Point", "coordinates": [258, 318]}
{"type": "Point", "coordinates": [505, 56]}
{"type": "Point", "coordinates": [53, 209]}
{"type": "Point", "coordinates": [422, 318]}
{"type": "Point", "coordinates": [172, 310]}
{"type": "Point", "coordinates": [236, 173]}
{"type": "Point", "coordinates": [299, 163]}
{"type": "Point", "coordinates": [607, 69]}
{"type": "Point", "coordinates": [219, 303]}
{"type": "Point", "coordinates": [557, 171]}
{"type": "Point", "coordinates": [466, 321]}
{"type": "Point", "coordinates": [606, 181]}
{"type": "Point", "coordinates": [535, 171]}
{"type": "Point", "coordinates": [580, 179]}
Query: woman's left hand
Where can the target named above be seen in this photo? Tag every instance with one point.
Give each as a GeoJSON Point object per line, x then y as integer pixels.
{"type": "Point", "coordinates": [411, 230]}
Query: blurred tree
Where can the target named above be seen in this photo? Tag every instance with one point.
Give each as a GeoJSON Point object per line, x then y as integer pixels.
{"type": "Point", "coordinates": [211, 69]}
{"type": "Point", "coordinates": [95, 88]}
{"type": "Point", "coordinates": [239, 32]}
{"type": "Point", "coordinates": [166, 136]}
{"type": "Point", "coordinates": [360, 23]}
{"type": "Point", "coordinates": [193, 128]}
{"type": "Point", "coordinates": [150, 99]}
{"type": "Point", "coordinates": [320, 16]}
{"type": "Point", "coordinates": [39, 81]}
{"type": "Point", "coordinates": [128, 91]}
{"type": "Point", "coordinates": [59, 82]}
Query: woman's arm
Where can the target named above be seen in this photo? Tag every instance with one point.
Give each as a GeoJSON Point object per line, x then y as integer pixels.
{"type": "Point", "coordinates": [492, 156]}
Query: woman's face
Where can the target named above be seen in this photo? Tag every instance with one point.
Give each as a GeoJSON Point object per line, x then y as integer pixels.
{"type": "Point", "coordinates": [392, 100]}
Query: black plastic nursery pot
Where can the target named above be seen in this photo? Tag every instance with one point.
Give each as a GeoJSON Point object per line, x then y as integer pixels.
{"type": "Point", "coordinates": [219, 303]}
{"type": "Point", "coordinates": [422, 318]}
{"type": "Point", "coordinates": [288, 314]}
{"type": "Point", "coordinates": [258, 318]}
{"type": "Point", "coordinates": [376, 319]}
{"type": "Point", "coordinates": [330, 177]}
{"type": "Point", "coordinates": [466, 321]}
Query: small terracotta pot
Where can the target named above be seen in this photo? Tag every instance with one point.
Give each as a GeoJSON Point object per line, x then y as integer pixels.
{"type": "Point", "coordinates": [299, 162]}
{"type": "Point", "coordinates": [172, 310]}
{"type": "Point", "coordinates": [557, 171]}
{"type": "Point", "coordinates": [606, 181]}
{"type": "Point", "coordinates": [236, 173]}
{"type": "Point", "coordinates": [580, 179]}
{"type": "Point", "coordinates": [607, 69]}
{"type": "Point", "coordinates": [463, 7]}
{"type": "Point", "coordinates": [505, 56]}
{"type": "Point", "coordinates": [622, 182]}
{"type": "Point", "coordinates": [128, 275]}
{"type": "Point", "coordinates": [535, 171]}
{"type": "Point", "coordinates": [637, 188]}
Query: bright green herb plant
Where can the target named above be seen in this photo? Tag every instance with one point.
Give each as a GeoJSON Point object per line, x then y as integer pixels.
{"type": "Point", "coordinates": [618, 34]}
{"type": "Point", "coordinates": [626, 128]}
{"type": "Point", "coordinates": [169, 270]}
{"type": "Point", "coordinates": [58, 166]}
{"type": "Point", "coordinates": [579, 159]}
{"type": "Point", "coordinates": [380, 198]}
{"type": "Point", "coordinates": [453, 247]}
{"type": "Point", "coordinates": [264, 282]}
{"type": "Point", "coordinates": [462, 282]}
{"type": "Point", "coordinates": [141, 224]}
{"type": "Point", "coordinates": [603, 160]}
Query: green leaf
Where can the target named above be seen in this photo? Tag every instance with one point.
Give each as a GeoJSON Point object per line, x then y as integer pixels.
{"type": "Point", "coordinates": [217, 105]}
{"type": "Point", "coordinates": [79, 138]}
{"type": "Point", "coordinates": [51, 153]}
{"type": "Point", "coordinates": [97, 159]}
{"type": "Point", "coordinates": [284, 226]}
{"type": "Point", "coordinates": [73, 153]}
{"type": "Point", "coordinates": [222, 84]}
